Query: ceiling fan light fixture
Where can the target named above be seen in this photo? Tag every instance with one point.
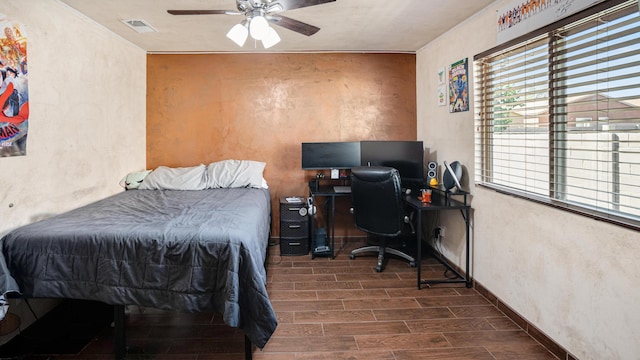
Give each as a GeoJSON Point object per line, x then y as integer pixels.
{"type": "Point", "coordinates": [258, 27]}
{"type": "Point", "coordinates": [257, 16]}
{"type": "Point", "coordinates": [238, 34]}
{"type": "Point", "coordinates": [271, 39]}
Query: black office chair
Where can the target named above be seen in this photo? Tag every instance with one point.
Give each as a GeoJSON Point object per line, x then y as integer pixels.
{"type": "Point", "coordinates": [378, 209]}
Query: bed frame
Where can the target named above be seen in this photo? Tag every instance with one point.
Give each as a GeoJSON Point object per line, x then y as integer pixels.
{"type": "Point", "coordinates": [155, 248]}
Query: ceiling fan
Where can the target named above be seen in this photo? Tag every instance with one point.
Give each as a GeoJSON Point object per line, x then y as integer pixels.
{"type": "Point", "coordinates": [258, 14]}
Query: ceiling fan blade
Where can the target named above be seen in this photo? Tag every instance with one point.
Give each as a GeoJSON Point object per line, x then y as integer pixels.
{"type": "Point", "coordinates": [293, 25]}
{"type": "Point", "coordinates": [203, 12]}
{"type": "Point", "coordinates": [296, 4]}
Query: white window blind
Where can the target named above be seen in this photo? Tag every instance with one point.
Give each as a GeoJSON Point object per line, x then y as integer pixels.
{"type": "Point", "coordinates": [558, 116]}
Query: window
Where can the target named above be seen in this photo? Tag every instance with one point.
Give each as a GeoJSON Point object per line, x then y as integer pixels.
{"type": "Point", "coordinates": [558, 114]}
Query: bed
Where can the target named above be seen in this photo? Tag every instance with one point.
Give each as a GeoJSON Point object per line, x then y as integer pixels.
{"type": "Point", "coordinates": [197, 250]}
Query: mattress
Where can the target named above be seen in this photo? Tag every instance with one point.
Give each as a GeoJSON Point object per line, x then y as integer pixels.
{"type": "Point", "coordinates": [190, 251]}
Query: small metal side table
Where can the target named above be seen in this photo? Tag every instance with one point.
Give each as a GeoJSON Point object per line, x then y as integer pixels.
{"type": "Point", "coordinates": [442, 200]}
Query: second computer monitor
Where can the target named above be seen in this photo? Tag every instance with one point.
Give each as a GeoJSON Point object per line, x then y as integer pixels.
{"type": "Point", "coordinates": [406, 156]}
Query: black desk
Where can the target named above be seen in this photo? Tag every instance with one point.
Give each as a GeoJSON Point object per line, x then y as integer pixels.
{"type": "Point", "coordinates": [441, 200]}
{"type": "Point", "coordinates": [325, 191]}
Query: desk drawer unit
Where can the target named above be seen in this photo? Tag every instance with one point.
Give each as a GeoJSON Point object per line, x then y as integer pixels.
{"type": "Point", "coordinates": [294, 228]}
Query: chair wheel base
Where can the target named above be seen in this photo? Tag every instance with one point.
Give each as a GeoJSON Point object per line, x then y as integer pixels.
{"type": "Point", "coordinates": [412, 264]}
{"type": "Point", "coordinates": [378, 268]}
{"type": "Point", "coordinates": [352, 256]}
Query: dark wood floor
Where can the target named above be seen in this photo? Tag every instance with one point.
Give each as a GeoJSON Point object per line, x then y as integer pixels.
{"type": "Point", "coordinates": [338, 309]}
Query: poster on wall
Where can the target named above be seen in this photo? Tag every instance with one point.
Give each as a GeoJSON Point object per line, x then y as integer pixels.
{"type": "Point", "coordinates": [523, 16]}
{"type": "Point", "coordinates": [459, 86]}
{"type": "Point", "coordinates": [14, 95]}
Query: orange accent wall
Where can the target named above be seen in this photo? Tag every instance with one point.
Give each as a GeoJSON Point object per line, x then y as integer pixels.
{"type": "Point", "coordinates": [210, 107]}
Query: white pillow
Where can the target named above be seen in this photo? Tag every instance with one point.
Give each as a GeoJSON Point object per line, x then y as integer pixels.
{"type": "Point", "coordinates": [134, 179]}
{"type": "Point", "coordinates": [235, 174]}
{"type": "Point", "coordinates": [181, 178]}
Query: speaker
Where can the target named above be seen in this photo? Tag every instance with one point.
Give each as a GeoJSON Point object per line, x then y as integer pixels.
{"type": "Point", "coordinates": [432, 171]}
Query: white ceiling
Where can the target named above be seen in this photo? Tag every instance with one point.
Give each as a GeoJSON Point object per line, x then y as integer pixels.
{"type": "Point", "coordinates": [346, 25]}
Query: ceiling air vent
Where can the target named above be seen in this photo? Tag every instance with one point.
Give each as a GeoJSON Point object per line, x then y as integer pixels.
{"type": "Point", "coordinates": [139, 25]}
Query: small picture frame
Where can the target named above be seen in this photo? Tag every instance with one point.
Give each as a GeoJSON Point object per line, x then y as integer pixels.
{"type": "Point", "coordinates": [441, 95]}
{"type": "Point", "coordinates": [442, 74]}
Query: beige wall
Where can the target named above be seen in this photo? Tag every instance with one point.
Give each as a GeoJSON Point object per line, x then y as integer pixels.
{"type": "Point", "coordinates": [573, 277]}
{"type": "Point", "coordinates": [87, 116]}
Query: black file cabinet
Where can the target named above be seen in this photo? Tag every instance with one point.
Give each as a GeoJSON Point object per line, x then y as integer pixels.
{"type": "Point", "coordinates": [294, 227]}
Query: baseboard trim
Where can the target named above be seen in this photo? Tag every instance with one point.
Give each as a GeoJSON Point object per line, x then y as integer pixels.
{"type": "Point", "coordinates": [546, 341]}
{"type": "Point", "coordinates": [527, 326]}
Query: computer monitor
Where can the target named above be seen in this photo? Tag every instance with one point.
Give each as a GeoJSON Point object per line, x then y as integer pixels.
{"type": "Point", "coordinates": [406, 156]}
{"type": "Point", "coordinates": [330, 155]}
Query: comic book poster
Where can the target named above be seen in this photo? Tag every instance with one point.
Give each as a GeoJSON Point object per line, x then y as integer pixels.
{"type": "Point", "coordinates": [14, 95]}
{"type": "Point", "coordinates": [459, 86]}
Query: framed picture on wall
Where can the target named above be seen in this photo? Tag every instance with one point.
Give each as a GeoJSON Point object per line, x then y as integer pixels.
{"type": "Point", "coordinates": [442, 75]}
{"type": "Point", "coordinates": [459, 86]}
{"type": "Point", "coordinates": [441, 95]}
